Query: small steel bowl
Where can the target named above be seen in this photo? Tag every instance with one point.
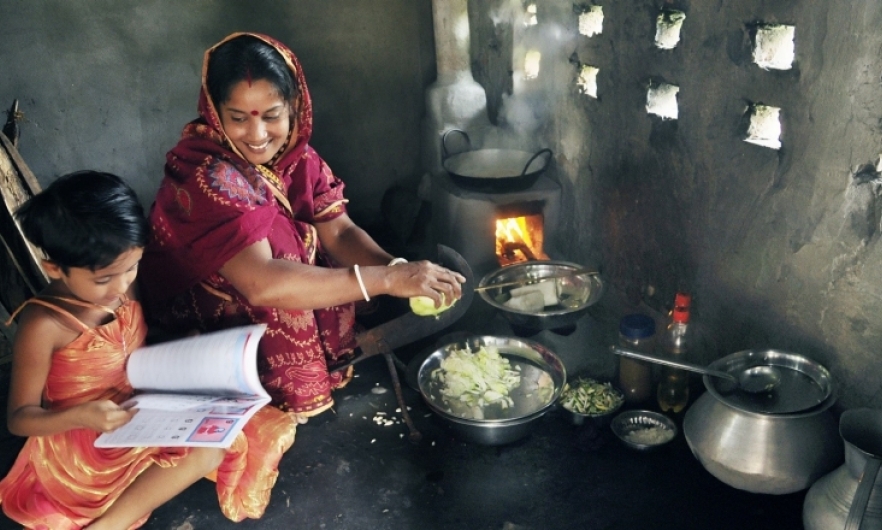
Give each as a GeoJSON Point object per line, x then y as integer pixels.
{"type": "Point", "coordinates": [581, 292]}
{"type": "Point", "coordinates": [602, 419]}
{"type": "Point", "coordinates": [635, 420]}
{"type": "Point", "coordinates": [499, 426]}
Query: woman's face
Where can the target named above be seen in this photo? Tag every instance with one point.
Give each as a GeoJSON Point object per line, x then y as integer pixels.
{"type": "Point", "coordinates": [256, 119]}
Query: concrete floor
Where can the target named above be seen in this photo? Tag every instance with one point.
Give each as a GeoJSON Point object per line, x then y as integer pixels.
{"type": "Point", "coordinates": [345, 472]}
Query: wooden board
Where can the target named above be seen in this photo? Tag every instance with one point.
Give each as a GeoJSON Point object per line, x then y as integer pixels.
{"type": "Point", "coordinates": [21, 275]}
{"type": "Point", "coordinates": [8, 332]}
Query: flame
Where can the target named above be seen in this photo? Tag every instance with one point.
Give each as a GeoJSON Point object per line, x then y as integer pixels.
{"type": "Point", "coordinates": [519, 239]}
{"type": "Point", "coordinates": [512, 230]}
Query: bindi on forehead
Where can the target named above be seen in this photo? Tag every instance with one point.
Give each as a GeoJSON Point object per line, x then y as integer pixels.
{"type": "Point", "coordinates": [254, 113]}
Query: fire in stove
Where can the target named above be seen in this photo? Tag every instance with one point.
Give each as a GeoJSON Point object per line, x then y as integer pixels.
{"type": "Point", "coordinates": [519, 239]}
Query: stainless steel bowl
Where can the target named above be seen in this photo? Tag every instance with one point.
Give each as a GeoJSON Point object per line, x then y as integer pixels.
{"type": "Point", "coordinates": [600, 419]}
{"type": "Point", "coordinates": [631, 421]}
{"type": "Point", "coordinates": [500, 425]}
{"type": "Point", "coordinates": [584, 291]}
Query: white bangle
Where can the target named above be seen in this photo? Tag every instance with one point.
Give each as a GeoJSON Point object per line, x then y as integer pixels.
{"type": "Point", "coordinates": [361, 283]}
{"type": "Point", "coordinates": [396, 261]}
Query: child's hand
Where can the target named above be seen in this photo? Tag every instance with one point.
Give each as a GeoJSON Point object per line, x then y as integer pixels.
{"type": "Point", "coordinates": [104, 416]}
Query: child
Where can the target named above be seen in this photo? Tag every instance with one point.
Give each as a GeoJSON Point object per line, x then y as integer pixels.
{"type": "Point", "coordinates": [68, 376]}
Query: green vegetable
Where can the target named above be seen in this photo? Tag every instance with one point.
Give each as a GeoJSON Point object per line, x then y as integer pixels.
{"type": "Point", "coordinates": [425, 306]}
{"type": "Point", "coordinates": [587, 396]}
{"type": "Point", "coordinates": [477, 379]}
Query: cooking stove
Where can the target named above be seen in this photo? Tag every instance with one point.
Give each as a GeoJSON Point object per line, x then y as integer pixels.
{"type": "Point", "coordinates": [465, 219]}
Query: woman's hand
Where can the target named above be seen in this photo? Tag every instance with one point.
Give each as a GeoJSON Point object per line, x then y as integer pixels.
{"type": "Point", "coordinates": [103, 416]}
{"type": "Point", "coordinates": [424, 278]}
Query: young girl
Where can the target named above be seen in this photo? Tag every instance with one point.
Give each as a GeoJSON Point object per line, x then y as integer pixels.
{"type": "Point", "coordinates": [68, 376]}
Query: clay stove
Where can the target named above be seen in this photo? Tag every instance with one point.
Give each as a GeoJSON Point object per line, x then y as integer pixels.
{"type": "Point", "coordinates": [493, 229]}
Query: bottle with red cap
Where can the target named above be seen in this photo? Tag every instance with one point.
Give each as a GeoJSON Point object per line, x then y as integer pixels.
{"type": "Point", "coordinates": [673, 386]}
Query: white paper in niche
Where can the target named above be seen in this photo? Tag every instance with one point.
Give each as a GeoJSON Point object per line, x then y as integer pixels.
{"type": "Point", "coordinates": [591, 22]}
{"type": "Point", "coordinates": [774, 47]}
{"type": "Point", "coordinates": [765, 127]}
{"type": "Point", "coordinates": [530, 16]}
{"type": "Point", "coordinates": [532, 60]}
{"type": "Point", "coordinates": [667, 29]}
{"type": "Point", "coordinates": [588, 80]}
{"type": "Point", "coordinates": [661, 100]}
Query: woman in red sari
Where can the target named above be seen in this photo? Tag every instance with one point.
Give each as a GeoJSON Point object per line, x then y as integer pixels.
{"type": "Point", "coordinates": [250, 225]}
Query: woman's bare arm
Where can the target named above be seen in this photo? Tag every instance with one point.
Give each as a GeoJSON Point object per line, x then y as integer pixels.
{"type": "Point", "coordinates": [265, 281]}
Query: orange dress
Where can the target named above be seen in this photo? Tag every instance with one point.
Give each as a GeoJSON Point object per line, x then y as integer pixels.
{"type": "Point", "coordinates": [63, 482]}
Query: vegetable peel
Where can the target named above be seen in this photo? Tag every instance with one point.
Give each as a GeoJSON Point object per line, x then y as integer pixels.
{"type": "Point", "coordinates": [589, 397]}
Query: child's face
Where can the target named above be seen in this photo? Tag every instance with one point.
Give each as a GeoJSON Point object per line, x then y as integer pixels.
{"type": "Point", "coordinates": [102, 286]}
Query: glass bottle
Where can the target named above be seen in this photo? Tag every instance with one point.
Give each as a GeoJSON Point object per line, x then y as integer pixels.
{"type": "Point", "coordinates": [636, 332]}
{"type": "Point", "coordinates": [673, 385]}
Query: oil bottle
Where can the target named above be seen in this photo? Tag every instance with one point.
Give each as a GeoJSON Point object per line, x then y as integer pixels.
{"type": "Point", "coordinates": [636, 332]}
{"type": "Point", "coordinates": [673, 385]}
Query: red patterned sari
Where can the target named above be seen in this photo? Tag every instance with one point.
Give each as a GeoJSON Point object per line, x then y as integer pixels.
{"type": "Point", "coordinates": [212, 204]}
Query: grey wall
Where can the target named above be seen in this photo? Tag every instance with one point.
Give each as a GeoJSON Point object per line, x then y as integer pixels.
{"type": "Point", "coordinates": [779, 248]}
{"type": "Point", "coordinates": [109, 85]}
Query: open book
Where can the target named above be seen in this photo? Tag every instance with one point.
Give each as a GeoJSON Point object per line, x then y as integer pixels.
{"type": "Point", "coordinates": [195, 392]}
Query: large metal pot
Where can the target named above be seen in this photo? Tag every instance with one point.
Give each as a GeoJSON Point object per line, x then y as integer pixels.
{"type": "Point", "coordinates": [493, 170]}
{"type": "Point", "coordinates": [744, 442]}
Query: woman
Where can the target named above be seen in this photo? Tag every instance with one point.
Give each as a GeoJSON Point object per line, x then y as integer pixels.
{"type": "Point", "coordinates": [250, 225]}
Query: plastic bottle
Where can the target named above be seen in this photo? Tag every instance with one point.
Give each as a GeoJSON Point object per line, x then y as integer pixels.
{"type": "Point", "coordinates": [673, 386]}
{"type": "Point", "coordinates": [636, 332]}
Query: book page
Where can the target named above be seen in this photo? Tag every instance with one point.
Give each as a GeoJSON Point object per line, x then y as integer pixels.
{"type": "Point", "coordinates": [221, 363]}
{"type": "Point", "coordinates": [183, 420]}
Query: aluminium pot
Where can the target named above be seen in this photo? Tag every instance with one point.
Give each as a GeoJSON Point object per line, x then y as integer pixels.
{"type": "Point", "coordinates": [751, 447]}
{"type": "Point", "coordinates": [493, 170]}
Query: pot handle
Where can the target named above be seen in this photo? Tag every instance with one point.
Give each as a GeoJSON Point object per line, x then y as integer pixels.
{"type": "Point", "coordinates": [446, 152]}
{"type": "Point", "coordinates": [534, 157]}
{"type": "Point", "coordinates": [862, 495]}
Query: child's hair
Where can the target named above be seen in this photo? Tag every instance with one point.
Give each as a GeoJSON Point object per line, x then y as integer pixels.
{"type": "Point", "coordinates": [84, 219]}
{"type": "Point", "coordinates": [247, 58]}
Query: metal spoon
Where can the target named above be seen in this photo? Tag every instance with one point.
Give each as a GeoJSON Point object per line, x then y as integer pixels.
{"type": "Point", "coordinates": [754, 380]}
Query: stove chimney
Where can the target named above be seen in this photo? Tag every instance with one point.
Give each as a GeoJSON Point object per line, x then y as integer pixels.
{"type": "Point", "coordinates": [455, 99]}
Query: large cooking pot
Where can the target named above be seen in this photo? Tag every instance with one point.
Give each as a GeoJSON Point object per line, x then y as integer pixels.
{"type": "Point", "coordinates": [775, 443]}
{"type": "Point", "coordinates": [493, 170]}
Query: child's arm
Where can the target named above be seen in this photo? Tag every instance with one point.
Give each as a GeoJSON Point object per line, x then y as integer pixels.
{"type": "Point", "coordinates": [37, 337]}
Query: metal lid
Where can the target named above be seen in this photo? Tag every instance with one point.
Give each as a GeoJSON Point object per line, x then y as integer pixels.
{"type": "Point", "coordinates": [804, 383]}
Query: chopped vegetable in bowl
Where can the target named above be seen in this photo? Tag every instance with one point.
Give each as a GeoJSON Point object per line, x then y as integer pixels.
{"type": "Point", "coordinates": [591, 398]}
{"type": "Point", "coordinates": [477, 379]}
